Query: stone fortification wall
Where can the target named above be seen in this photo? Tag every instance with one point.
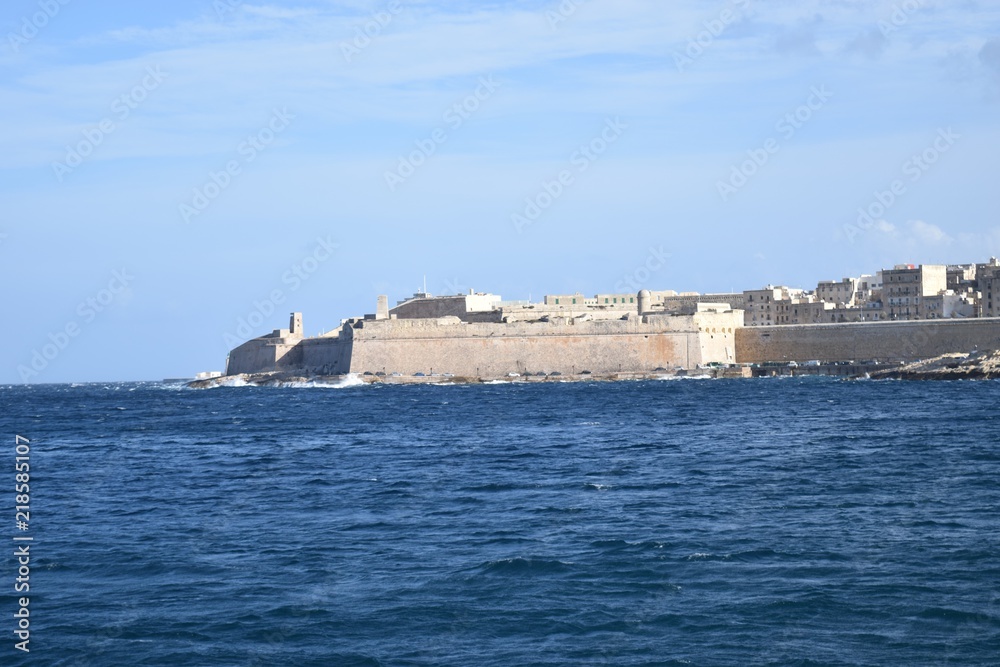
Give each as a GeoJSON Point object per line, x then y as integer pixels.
{"type": "Point", "coordinates": [432, 307]}
{"type": "Point", "coordinates": [462, 306]}
{"type": "Point", "coordinates": [884, 341]}
{"type": "Point", "coordinates": [450, 346]}
{"type": "Point", "coordinates": [688, 303]}
{"type": "Point", "coordinates": [327, 355]}
{"type": "Point", "coordinates": [265, 354]}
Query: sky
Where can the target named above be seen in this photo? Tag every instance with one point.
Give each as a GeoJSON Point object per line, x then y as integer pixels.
{"type": "Point", "coordinates": [179, 177]}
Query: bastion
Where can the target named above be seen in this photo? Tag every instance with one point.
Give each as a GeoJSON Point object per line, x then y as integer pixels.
{"type": "Point", "coordinates": [486, 344]}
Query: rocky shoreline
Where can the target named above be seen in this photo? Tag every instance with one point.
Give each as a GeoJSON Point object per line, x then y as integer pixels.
{"type": "Point", "coordinates": [295, 379]}
{"type": "Point", "coordinates": [974, 366]}
{"type": "Point", "coordinates": [958, 366]}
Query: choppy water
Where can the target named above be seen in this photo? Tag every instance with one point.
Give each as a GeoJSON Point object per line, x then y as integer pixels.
{"type": "Point", "coordinates": [745, 522]}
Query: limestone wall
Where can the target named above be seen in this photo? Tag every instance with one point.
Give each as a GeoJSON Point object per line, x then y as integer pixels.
{"type": "Point", "coordinates": [565, 351]}
{"type": "Point", "coordinates": [327, 355]}
{"type": "Point", "coordinates": [450, 346]}
{"type": "Point", "coordinates": [433, 307]}
{"type": "Point", "coordinates": [265, 354]}
{"type": "Point", "coordinates": [885, 341]}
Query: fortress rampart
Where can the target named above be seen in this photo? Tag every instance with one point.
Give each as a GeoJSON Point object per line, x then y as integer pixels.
{"type": "Point", "coordinates": [885, 341]}
{"type": "Point", "coordinates": [635, 344]}
{"type": "Point", "coordinates": [449, 345]}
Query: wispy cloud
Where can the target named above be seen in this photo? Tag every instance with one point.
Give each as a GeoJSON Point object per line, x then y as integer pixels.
{"type": "Point", "coordinates": [929, 234]}
{"type": "Point", "coordinates": [989, 56]}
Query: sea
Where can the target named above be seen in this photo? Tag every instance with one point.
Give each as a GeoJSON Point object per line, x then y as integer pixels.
{"type": "Point", "coordinates": [782, 521]}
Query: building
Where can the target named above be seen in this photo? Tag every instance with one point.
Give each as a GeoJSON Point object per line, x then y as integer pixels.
{"type": "Point", "coordinates": [988, 285]}
{"type": "Point", "coordinates": [905, 286]}
{"type": "Point", "coordinates": [760, 306]}
{"type": "Point", "coordinates": [467, 307]}
{"type": "Point", "coordinates": [948, 305]}
{"type": "Point", "coordinates": [686, 302]}
{"type": "Point", "coordinates": [962, 278]}
{"type": "Point", "coordinates": [842, 293]}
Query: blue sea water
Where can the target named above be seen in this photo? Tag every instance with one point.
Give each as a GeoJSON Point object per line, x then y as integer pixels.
{"type": "Point", "coordinates": [718, 522]}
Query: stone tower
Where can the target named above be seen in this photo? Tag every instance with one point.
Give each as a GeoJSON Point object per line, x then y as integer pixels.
{"type": "Point", "coordinates": [645, 301]}
{"type": "Point", "coordinates": [295, 325]}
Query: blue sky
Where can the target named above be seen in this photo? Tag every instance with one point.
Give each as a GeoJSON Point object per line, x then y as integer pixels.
{"type": "Point", "coordinates": [178, 175]}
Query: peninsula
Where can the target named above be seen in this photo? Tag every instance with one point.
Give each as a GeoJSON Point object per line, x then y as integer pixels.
{"type": "Point", "coordinates": [847, 327]}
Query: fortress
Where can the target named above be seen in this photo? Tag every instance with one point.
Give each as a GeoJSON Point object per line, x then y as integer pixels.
{"type": "Point", "coordinates": [479, 336]}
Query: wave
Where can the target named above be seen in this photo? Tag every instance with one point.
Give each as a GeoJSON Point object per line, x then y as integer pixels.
{"type": "Point", "coordinates": [348, 381]}
{"type": "Point", "coordinates": [235, 381]}
{"type": "Point", "coordinates": [701, 555]}
{"type": "Point", "coordinates": [352, 380]}
{"type": "Point", "coordinates": [525, 566]}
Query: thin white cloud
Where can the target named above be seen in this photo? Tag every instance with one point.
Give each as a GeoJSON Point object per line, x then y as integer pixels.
{"type": "Point", "coordinates": [274, 12]}
{"type": "Point", "coordinates": [929, 234]}
{"type": "Point", "coordinates": [885, 227]}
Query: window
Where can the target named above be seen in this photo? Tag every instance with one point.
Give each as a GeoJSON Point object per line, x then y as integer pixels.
{"type": "Point", "coordinates": [631, 299]}
{"type": "Point", "coordinates": [605, 299]}
{"type": "Point", "coordinates": [574, 302]}
{"type": "Point", "coordinates": [557, 302]}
